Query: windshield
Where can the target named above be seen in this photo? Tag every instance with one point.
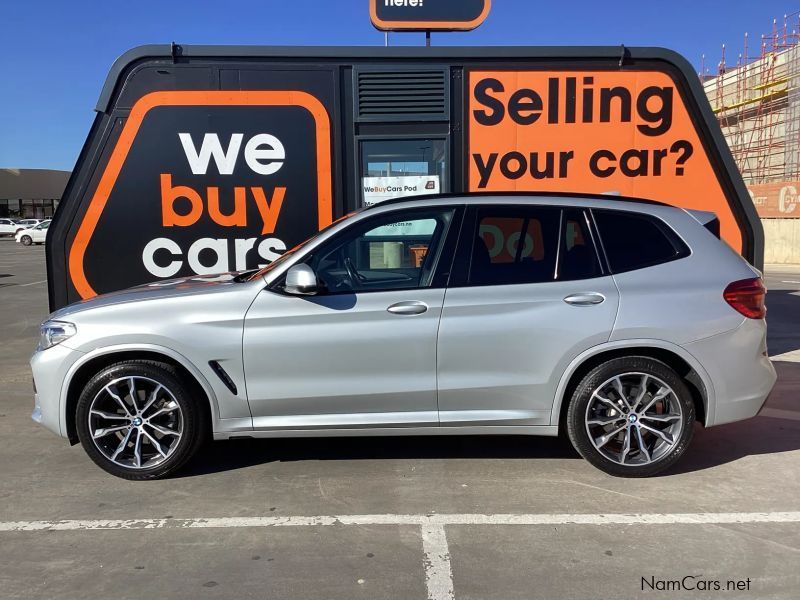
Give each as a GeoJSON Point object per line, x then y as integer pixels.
{"type": "Point", "coordinates": [289, 253]}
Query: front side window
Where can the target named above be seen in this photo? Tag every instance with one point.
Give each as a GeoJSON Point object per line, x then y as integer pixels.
{"type": "Point", "coordinates": [635, 241]}
{"type": "Point", "coordinates": [514, 245]}
{"type": "Point", "coordinates": [389, 252]}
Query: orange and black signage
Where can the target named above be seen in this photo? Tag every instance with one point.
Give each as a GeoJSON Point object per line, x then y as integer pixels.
{"type": "Point", "coordinates": [205, 182]}
{"type": "Point", "coordinates": [428, 15]}
{"type": "Point", "coordinates": [204, 160]}
{"type": "Point", "coordinates": [617, 132]}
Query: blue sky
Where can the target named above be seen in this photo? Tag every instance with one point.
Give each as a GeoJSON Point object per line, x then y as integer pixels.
{"type": "Point", "coordinates": [54, 54]}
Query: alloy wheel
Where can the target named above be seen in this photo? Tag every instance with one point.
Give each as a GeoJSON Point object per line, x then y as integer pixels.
{"type": "Point", "coordinates": [136, 422]}
{"type": "Point", "coordinates": [634, 419]}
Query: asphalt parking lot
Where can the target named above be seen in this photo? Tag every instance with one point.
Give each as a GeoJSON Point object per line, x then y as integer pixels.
{"type": "Point", "coordinates": [396, 518]}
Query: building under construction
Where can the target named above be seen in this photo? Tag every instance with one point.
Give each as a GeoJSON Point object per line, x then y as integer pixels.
{"type": "Point", "coordinates": [757, 102]}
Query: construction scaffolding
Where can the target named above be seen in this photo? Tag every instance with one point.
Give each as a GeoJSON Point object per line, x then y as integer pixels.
{"type": "Point", "coordinates": [757, 102]}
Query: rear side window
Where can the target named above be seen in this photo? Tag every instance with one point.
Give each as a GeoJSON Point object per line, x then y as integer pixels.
{"type": "Point", "coordinates": [514, 245]}
{"type": "Point", "coordinates": [577, 256]}
{"type": "Point", "coordinates": [634, 241]}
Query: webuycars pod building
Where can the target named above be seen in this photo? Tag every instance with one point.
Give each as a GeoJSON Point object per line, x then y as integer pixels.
{"type": "Point", "coordinates": [205, 159]}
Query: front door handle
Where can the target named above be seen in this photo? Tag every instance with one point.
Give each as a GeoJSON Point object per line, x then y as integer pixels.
{"type": "Point", "coordinates": [412, 307]}
{"type": "Point", "coordinates": [586, 299]}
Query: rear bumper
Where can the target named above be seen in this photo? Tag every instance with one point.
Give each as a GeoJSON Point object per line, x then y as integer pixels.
{"type": "Point", "coordinates": [741, 373]}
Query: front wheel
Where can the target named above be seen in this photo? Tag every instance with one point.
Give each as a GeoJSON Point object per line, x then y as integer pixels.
{"type": "Point", "coordinates": [631, 417]}
{"type": "Point", "coordinates": [137, 420]}
{"type": "Point", "coordinates": [26, 240]}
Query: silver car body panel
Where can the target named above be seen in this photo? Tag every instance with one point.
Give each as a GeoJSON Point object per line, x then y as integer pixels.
{"type": "Point", "coordinates": [502, 348]}
{"type": "Point", "coordinates": [495, 359]}
{"type": "Point", "coordinates": [341, 360]}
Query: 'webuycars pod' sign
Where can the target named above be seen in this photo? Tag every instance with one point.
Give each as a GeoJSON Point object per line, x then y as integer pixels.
{"type": "Point", "coordinates": [204, 182]}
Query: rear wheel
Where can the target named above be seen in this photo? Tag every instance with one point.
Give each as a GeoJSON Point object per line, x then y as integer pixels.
{"type": "Point", "coordinates": [26, 240]}
{"type": "Point", "coordinates": [631, 417]}
{"type": "Point", "coordinates": [137, 420]}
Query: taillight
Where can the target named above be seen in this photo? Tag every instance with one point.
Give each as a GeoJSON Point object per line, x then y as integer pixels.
{"type": "Point", "coordinates": [747, 297]}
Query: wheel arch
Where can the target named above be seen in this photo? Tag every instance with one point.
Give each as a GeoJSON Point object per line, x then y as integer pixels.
{"type": "Point", "coordinates": [94, 362]}
{"type": "Point", "coordinates": [683, 363]}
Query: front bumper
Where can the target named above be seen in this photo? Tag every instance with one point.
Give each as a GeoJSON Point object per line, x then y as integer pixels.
{"type": "Point", "coordinates": [740, 370]}
{"type": "Point", "coordinates": [50, 368]}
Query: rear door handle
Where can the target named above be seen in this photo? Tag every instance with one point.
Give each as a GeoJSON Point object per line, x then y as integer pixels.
{"type": "Point", "coordinates": [412, 307]}
{"type": "Point", "coordinates": [587, 299]}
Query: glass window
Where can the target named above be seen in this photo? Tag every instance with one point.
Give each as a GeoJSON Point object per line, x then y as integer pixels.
{"type": "Point", "coordinates": [390, 252]}
{"type": "Point", "coordinates": [514, 245]}
{"type": "Point", "coordinates": [399, 168]}
{"type": "Point", "coordinates": [633, 241]}
{"type": "Point", "coordinates": [577, 258]}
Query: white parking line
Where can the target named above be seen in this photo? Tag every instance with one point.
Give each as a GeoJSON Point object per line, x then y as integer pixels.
{"type": "Point", "coordinates": [777, 413]}
{"type": "Point", "coordinates": [438, 573]}
{"type": "Point", "coordinates": [419, 520]}
{"type": "Point", "coordinates": [791, 356]}
{"type": "Point", "coordinates": [32, 283]}
{"type": "Point", "coordinates": [438, 570]}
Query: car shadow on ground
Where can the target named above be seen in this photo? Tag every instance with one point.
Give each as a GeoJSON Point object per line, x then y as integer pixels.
{"type": "Point", "coordinates": [710, 448]}
{"type": "Point", "coordinates": [238, 454]}
{"type": "Point", "coordinates": [728, 443]}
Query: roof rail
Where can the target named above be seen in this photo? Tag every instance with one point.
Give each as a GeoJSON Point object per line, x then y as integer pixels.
{"type": "Point", "coordinates": [518, 195]}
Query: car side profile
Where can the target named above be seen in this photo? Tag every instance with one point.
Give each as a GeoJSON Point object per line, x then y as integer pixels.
{"type": "Point", "coordinates": [617, 322]}
{"type": "Point", "coordinates": [26, 224]}
{"type": "Point", "coordinates": [36, 234]}
{"type": "Point", "coordinates": [8, 226]}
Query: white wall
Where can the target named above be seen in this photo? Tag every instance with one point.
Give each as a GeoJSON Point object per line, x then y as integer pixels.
{"type": "Point", "coordinates": [781, 241]}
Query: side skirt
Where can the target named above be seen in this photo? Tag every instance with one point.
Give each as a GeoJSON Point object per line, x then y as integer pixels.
{"type": "Point", "coordinates": [543, 430]}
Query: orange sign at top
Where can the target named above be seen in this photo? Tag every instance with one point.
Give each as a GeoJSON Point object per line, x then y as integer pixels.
{"type": "Point", "coordinates": [623, 132]}
{"type": "Point", "coordinates": [428, 15]}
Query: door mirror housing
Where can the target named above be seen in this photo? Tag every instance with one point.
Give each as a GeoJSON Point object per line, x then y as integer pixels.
{"type": "Point", "coordinates": [301, 281]}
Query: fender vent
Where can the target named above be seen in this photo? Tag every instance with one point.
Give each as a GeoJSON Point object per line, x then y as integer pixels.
{"type": "Point", "coordinates": [224, 377]}
{"type": "Point", "coordinates": [402, 95]}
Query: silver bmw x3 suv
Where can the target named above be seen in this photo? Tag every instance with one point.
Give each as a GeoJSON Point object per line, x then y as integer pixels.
{"type": "Point", "coordinates": [617, 322]}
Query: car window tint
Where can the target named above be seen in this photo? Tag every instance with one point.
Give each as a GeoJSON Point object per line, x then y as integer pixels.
{"type": "Point", "coordinates": [514, 245]}
{"type": "Point", "coordinates": [633, 241]}
{"type": "Point", "coordinates": [577, 256]}
{"type": "Point", "coordinates": [386, 253]}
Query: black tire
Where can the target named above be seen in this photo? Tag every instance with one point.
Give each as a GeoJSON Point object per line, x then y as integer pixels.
{"type": "Point", "coordinates": [578, 406]}
{"type": "Point", "coordinates": [26, 240]}
{"type": "Point", "coordinates": [194, 426]}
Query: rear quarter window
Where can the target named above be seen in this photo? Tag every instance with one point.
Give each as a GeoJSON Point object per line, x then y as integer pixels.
{"type": "Point", "coordinates": [634, 241]}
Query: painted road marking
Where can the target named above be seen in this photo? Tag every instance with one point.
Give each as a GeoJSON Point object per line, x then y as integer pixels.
{"type": "Point", "coordinates": [33, 283]}
{"type": "Point", "coordinates": [791, 356]}
{"type": "Point", "coordinates": [778, 413]}
{"type": "Point", "coordinates": [438, 573]}
{"type": "Point", "coordinates": [419, 520]}
{"type": "Point", "coordinates": [438, 570]}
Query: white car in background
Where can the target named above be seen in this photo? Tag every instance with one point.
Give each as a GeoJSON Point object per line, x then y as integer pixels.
{"type": "Point", "coordinates": [26, 224]}
{"type": "Point", "coordinates": [8, 226]}
{"type": "Point", "coordinates": [34, 235]}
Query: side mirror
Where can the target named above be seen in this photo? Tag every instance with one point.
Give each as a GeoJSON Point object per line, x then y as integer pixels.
{"type": "Point", "coordinates": [301, 281]}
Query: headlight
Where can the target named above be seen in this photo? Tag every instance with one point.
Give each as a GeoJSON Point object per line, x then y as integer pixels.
{"type": "Point", "coordinates": [54, 332]}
